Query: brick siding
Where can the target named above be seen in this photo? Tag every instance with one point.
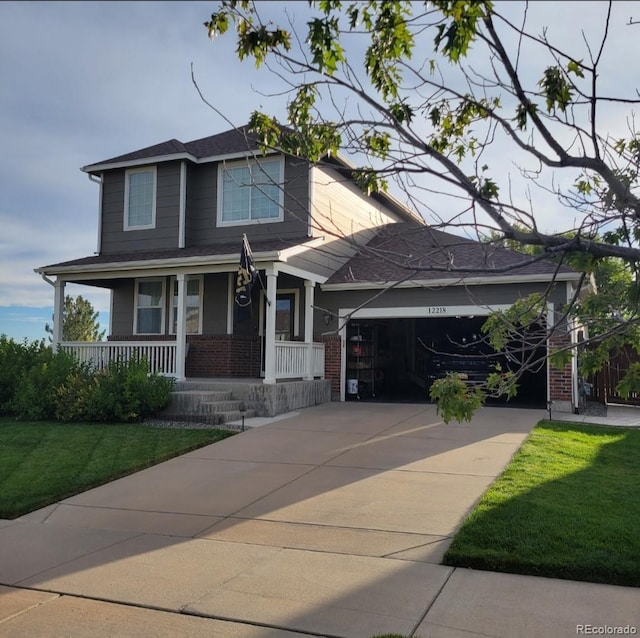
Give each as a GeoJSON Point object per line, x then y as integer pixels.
{"type": "Point", "coordinates": [332, 363]}
{"type": "Point", "coordinates": [559, 378]}
{"type": "Point", "coordinates": [223, 356]}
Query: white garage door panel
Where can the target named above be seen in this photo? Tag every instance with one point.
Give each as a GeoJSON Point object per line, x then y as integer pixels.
{"type": "Point", "coordinates": [425, 311]}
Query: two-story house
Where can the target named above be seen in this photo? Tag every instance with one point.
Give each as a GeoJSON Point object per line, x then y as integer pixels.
{"type": "Point", "coordinates": [352, 291]}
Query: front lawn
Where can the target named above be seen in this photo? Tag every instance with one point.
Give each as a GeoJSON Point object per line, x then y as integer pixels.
{"type": "Point", "coordinates": [43, 462]}
{"type": "Point", "coordinates": [567, 506]}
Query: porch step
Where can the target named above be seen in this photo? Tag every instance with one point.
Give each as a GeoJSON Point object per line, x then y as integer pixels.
{"type": "Point", "coordinates": [189, 401]}
{"type": "Point", "coordinates": [219, 407]}
{"type": "Point", "coordinates": [201, 404]}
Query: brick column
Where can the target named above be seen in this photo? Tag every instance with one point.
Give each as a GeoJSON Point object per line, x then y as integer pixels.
{"type": "Point", "coordinates": [332, 363]}
{"type": "Point", "coordinates": [560, 378]}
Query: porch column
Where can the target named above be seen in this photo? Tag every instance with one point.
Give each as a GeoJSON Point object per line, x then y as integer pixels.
{"type": "Point", "coordinates": [308, 325]}
{"type": "Point", "coordinates": [181, 327]}
{"type": "Point", "coordinates": [270, 327]}
{"type": "Point", "coordinates": [58, 314]}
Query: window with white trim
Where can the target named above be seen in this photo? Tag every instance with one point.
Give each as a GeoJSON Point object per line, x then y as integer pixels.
{"type": "Point", "coordinates": [140, 198]}
{"type": "Point", "coordinates": [192, 306]}
{"type": "Point", "coordinates": [250, 192]}
{"type": "Point", "coordinates": [149, 317]}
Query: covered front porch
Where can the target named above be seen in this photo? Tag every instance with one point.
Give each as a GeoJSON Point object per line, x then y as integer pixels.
{"type": "Point", "coordinates": [180, 316]}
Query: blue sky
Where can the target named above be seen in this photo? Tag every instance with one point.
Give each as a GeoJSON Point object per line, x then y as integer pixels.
{"type": "Point", "coordinates": [85, 81]}
{"type": "Point", "coordinates": [82, 82]}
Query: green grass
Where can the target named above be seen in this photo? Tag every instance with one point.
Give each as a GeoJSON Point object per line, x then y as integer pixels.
{"type": "Point", "coordinates": [567, 506]}
{"type": "Point", "coordinates": [44, 462]}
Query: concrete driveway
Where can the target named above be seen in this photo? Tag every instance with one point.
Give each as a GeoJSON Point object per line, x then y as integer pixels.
{"type": "Point", "coordinates": [332, 522]}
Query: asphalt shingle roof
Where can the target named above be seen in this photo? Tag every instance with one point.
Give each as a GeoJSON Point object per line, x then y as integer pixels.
{"type": "Point", "coordinates": [211, 250]}
{"type": "Point", "coordinates": [408, 250]}
{"type": "Point", "coordinates": [397, 252]}
{"type": "Point", "coordinates": [232, 141]}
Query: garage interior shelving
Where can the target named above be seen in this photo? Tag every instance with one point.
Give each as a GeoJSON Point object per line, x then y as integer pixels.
{"type": "Point", "coordinates": [361, 361]}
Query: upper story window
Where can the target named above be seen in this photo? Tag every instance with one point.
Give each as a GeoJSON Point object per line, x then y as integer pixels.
{"type": "Point", "coordinates": [250, 192]}
{"type": "Point", "coordinates": [140, 198]}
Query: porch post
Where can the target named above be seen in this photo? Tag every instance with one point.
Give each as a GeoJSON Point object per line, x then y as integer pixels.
{"type": "Point", "coordinates": [181, 327]}
{"type": "Point", "coordinates": [58, 314]}
{"type": "Point", "coordinates": [308, 325]}
{"type": "Point", "coordinates": [270, 326]}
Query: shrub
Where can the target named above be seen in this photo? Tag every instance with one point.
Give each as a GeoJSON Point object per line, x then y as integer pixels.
{"type": "Point", "coordinates": [74, 399]}
{"type": "Point", "coordinates": [37, 384]}
{"type": "Point", "coordinates": [35, 392]}
{"type": "Point", "coordinates": [124, 392]}
{"type": "Point", "coordinates": [15, 359]}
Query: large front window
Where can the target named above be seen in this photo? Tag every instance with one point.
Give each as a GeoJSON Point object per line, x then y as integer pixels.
{"type": "Point", "coordinates": [250, 192]}
{"type": "Point", "coordinates": [140, 199]}
{"type": "Point", "coordinates": [149, 307]}
{"type": "Point", "coordinates": [193, 305]}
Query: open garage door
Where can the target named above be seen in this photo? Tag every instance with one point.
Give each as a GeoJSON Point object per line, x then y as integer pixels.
{"type": "Point", "coordinates": [397, 359]}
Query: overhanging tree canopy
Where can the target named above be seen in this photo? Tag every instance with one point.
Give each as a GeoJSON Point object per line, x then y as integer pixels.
{"type": "Point", "coordinates": [428, 98]}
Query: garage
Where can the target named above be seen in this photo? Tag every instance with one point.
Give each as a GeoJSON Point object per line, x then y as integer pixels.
{"type": "Point", "coordinates": [409, 305]}
{"type": "Point", "coordinates": [397, 359]}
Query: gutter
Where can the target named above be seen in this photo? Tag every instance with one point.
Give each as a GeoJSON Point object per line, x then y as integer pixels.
{"type": "Point", "coordinates": [98, 180]}
{"type": "Point", "coordinates": [457, 281]}
{"type": "Point", "coordinates": [150, 264]}
{"type": "Point", "coordinates": [49, 281]}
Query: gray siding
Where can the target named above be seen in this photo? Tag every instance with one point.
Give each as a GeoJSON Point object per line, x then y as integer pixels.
{"type": "Point", "coordinates": [420, 297]}
{"type": "Point", "coordinates": [165, 234]}
{"type": "Point", "coordinates": [215, 303]}
{"type": "Point", "coordinates": [122, 314]}
{"type": "Point", "coordinates": [202, 193]}
{"type": "Point", "coordinates": [202, 200]}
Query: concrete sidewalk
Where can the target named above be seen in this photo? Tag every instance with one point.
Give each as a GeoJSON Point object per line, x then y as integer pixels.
{"type": "Point", "coordinates": [617, 415]}
{"type": "Point", "coordinates": [331, 522]}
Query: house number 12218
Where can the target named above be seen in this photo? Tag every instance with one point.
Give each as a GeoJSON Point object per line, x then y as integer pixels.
{"type": "Point", "coordinates": [436, 310]}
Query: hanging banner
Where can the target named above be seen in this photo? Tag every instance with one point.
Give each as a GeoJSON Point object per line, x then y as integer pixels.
{"type": "Point", "coordinates": [246, 277]}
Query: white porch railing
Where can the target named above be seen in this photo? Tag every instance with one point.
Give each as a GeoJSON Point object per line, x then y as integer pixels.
{"type": "Point", "coordinates": [291, 356]}
{"type": "Point", "coordinates": [161, 355]}
{"type": "Point", "coordinates": [291, 359]}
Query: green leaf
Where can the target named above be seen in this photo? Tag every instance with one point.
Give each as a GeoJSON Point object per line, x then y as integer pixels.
{"type": "Point", "coordinates": [575, 68]}
{"type": "Point", "coordinates": [555, 88]}
{"type": "Point", "coordinates": [369, 181]}
{"type": "Point", "coordinates": [523, 112]}
{"type": "Point", "coordinates": [401, 112]}
{"type": "Point", "coordinates": [218, 25]}
{"type": "Point", "coordinates": [455, 399]}
{"type": "Point", "coordinates": [378, 144]}
{"type": "Point", "coordinates": [324, 43]}
{"type": "Point", "coordinates": [453, 38]}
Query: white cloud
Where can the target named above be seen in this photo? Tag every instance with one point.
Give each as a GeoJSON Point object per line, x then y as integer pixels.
{"type": "Point", "coordinates": [85, 81]}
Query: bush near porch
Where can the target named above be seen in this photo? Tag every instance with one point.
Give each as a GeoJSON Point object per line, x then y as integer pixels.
{"type": "Point", "coordinates": [36, 384]}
